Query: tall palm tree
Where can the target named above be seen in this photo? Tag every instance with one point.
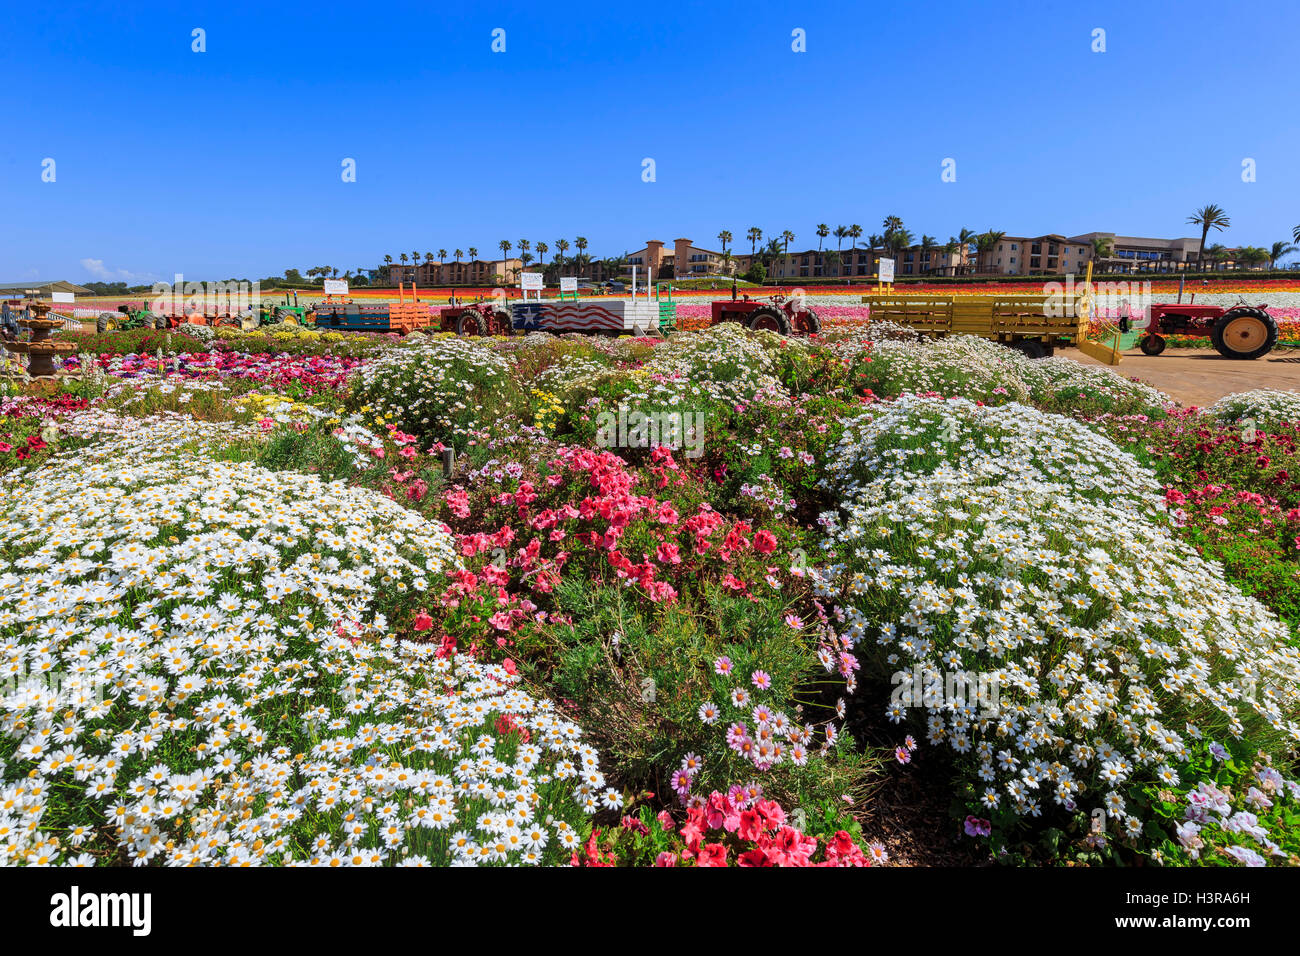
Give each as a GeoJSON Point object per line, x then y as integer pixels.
{"type": "Point", "coordinates": [891, 223]}
{"type": "Point", "coordinates": [823, 231]}
{"type": "Point", "coordinates": [524, 245]}
{"type": "Point", "coordinates": [985, 243]}
{"type": "Point", "coordinates": [950, 249]}
{"type": "Point", "coordinates": [442, 255]}
{"type": "Point", "coordinates": [855, 233]}
{"type": "Point", "coordinates": [967, 238]}
{"type": "Point", "coordinates": [560, 246]}
{"type": "Point", "coordinates": [473, 253]}
{"type": "Point", "coordinates": [415, 258]}
{"type": "Point", "coordinates": [388, 260]}
{"type": "Point", "coordinates": [1208, 217]}
{"type": "Point", "coordinates": [1215, 253]}
{"type": "Point", "coordinates": [724, 237]}
{"type": "Point", "coordinates": [458, 255]}
{"type": "Point", "coordinates": [542, 249]}
{"type": "Point", "coordinates": [928, 245]}
{"type": "Point", "coordinates": [1252, 256]}
{"type": "Point", "coordinates": [505, 245]}
{"type": "Point", "coordinates": [833, 258]}
{"type": "Point", "coordinates": [1279, 250]}
{"type": "Point", "coordinates": [841, 233]}
{"type": "Point", "coordinates": [403, 258]}
{"type": "Point", "coordinates": [753, 234]}
{"type": "Point", "coordinates": [787, 237]}
{"type": "Point", "coordinates": [899, 240]}
{"type": "Point", "coordinates": [580, 243]}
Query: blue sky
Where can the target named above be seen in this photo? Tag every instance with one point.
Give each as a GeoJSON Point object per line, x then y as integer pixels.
{"type": "Point", "coordinates": [228, 162]}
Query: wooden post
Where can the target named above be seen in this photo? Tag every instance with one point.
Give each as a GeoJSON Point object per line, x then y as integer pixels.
{"type": "Point", "coordinates": [448, 462]}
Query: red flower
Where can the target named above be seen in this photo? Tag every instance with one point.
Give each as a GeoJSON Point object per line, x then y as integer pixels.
{"type": "Point", "coordinates": [423, 621]}
{"type": "Point", "coordinates": [764, 542]}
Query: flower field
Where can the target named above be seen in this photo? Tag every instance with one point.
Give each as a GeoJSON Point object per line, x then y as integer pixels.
{"type": "Point", "coordinates": [289, 598]}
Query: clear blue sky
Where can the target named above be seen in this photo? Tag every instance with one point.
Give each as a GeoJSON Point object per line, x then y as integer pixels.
{"type": "Point", "coordinates": [227, 163]}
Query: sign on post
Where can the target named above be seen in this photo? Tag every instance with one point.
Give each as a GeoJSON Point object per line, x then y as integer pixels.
{"type": "Point", "coordinates": [63, 297]}
{"type": "Point", "coordinates": [530, 281]}
{"type": "Point", "coordinates": [884, 270]}
{"type": "Point", "coordinates": [568, 283]}
{"type": "Point", "coordinates": [336, 287]}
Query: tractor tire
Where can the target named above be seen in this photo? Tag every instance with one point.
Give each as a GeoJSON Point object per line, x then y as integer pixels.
{"type": "Point", "coordinates": [106, 322]}
{"type": "Point", "coordinates": [807, 322]}
{"type": "Point", "coordinates": [1152, 344]}
{"type": "Point", "coordinates": [773, 320]}
{"type": "Point", "coordinates": [501, 323]}
{"type": "Point", "coordinates": [159, 322]}
{"type": "Point", "coordinates": [1244, 333]}
{"type": "Point", "coordinates": [286, 317]}
{"type": "Point", "coordinates": [471, 323]}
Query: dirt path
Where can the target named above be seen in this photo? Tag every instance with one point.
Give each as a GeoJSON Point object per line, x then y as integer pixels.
{"type": "Point", "coordinates": [1202, 376]}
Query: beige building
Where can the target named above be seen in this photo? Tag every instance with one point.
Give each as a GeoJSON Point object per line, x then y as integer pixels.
{"type": "Point", "coordinates": [475, 272]}
{"type": "Point", "coordinates": [1140, 254]}
{"type": "Point", "coordinates": [861, 264]}
{"type": "Point", "coordinates": [1052, 254]}
{"type": "Point", "coordinates": [684, 258]}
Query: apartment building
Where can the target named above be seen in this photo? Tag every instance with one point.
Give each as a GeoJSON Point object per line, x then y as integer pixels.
{"type": "Point", "coordinates": [855, 263]}
{"type": "Point", "coordinates": [1052, 254]}
{"type": "Point", "coordinates": [685, 259]}
{"type": "Point", "coordinates": [475, 272]}
{"type": "Point", "coordinates": [1140, 254]}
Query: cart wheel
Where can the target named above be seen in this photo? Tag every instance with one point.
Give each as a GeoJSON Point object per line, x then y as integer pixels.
{"type": "Point", "coordinates": [770, 319]}
{"type": "Point", "coordinates": [1244, 333]}
{"type": "Point", "coordinates": [1152, 345]}
{"type": "Point", "coordinates": [1030, 348]}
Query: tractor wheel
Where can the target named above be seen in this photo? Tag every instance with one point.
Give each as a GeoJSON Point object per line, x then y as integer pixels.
{"type": "Point", "coordinates": [285, 316]}
{"type": "Point", "coordinates": [159, 322]}
{"type": "Point", "coordinates": [773, 320]}
{"type": "Point", "coordinates": [1244, 333]}
{"type": "Point", "coordinates": [471, 323]}
{"type": "Point", "coordinates": [807, 322]}
{"type": "Point", "coordinates": [501, 323]}
{"type": "Point", "coordinates": [1152, 345]}
{"type": "Point", "coordinates": [106, 322]}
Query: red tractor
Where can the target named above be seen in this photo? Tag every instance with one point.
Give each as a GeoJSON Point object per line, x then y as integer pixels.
{"type": "Point", "coordinates": [777, 313]}
{"type": "Point", "coordinates": [475, 318]}
{"type": "Point", "coordinates": [1241, 332]}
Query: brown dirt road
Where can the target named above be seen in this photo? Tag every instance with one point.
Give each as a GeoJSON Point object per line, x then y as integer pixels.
{"type": "Point", "coordinates": [1202, 376]}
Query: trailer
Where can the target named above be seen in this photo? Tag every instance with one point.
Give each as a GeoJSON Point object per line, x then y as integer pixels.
{"type": "Point", "coordinates": [344, 315]}
{"type": "Point", "coordinates": [1034, 325]}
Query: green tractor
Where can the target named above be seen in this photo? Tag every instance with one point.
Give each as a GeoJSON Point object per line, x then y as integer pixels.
{"type": "Point", "coordinates": [126, 318]}
{"type": "Point", "coordinates": [288, 313]}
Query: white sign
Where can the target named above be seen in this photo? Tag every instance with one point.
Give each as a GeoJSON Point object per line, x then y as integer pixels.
{"type": "Point", "coordinates": [568, 283]}
{"type": "Point", "coordinates": [63, 296]}
{"type": "Point", "coordinates": [336, 287]}
{"type": "Point", "coordinates": [885, 270]}
{"type": "Point", "coordinates": [530, 281]}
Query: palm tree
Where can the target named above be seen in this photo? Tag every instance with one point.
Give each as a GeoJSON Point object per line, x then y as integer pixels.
{"type": "Point", "coordinates": [505, 246]}
{"type": "Point", "coordinates": [1208, 217]}
{"type": "Point", "coordinates": [928, 245]}
{"type": "Point", "coordinates": [950, 249]}
{"type": "Point", "coordinates": [560, 246]}
{"type": "Point", "coordinates": [580, 243]}
{"type": "Point", "coordinates": [841, 233]}
{"type": "Point", "coordinates": [985, 243]}
{"type": "Point", "coordinates": [855, 233]}
{"type": "Point", "coordinates": [1217, 252]}
{"type": "Point", "coordinates": [1252, 256]}
{"type": "Point", "coordinates": [833, 258]}
{"type": "Point", "coordinates": [1101, 249]}
{"type": "Point", "coordinates": [753, 235]}
{"type": "Point", "coordinates": [525, 257]}
{"type": "Point", "coordinates": [388, 260]}
{"type": "Point", "coordinates": [1279, 250]}
{"type": "Point", "coordinates": [724, 237]}
{"type": "Point", "coordinates": [891, 224]}
{"type": "Point", "coordinates": [1295, 233]}
{"type": "Point", "coordinates": [428, 257]}
{"type": "Point", "coordinates": [524, 245]}
{"type": "Point", "coordinates": [727, 258]}
{"type": "Point", "coordinates": [823, 231]}
{"type": "Point", "coordinates": [403, 258]}
{"type": "Point", "coordinates": [787, 237]}
{"type": "Point", "coordinates": [967, 238]}
{"type": "Point", "coordinates": [899, 240]}
{"type": "Point", "coordinates": [542, 249]}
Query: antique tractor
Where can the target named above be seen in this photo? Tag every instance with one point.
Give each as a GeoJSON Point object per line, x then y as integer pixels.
{"type": "Point", "coordinates": [1241, 332]}
{"type": "Point", "coordinates": [127, 318]}
{"type": "Point", "coordinates": [289, 314]}
{"type": "Point", "coordinates": [777, 313]}
{"type": "Point", "coordinates": [475, 318]}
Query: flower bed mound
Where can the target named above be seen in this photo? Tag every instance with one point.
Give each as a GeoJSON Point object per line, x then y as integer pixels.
{"type": "Point", "coordinates": [1264, 407]}
{"type": "Point", "coordinates": [204, 670]}
{"type": "Point", "coordinates": [1067, 649]}
{"type": "Point", "coordinates": [994, 374]}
